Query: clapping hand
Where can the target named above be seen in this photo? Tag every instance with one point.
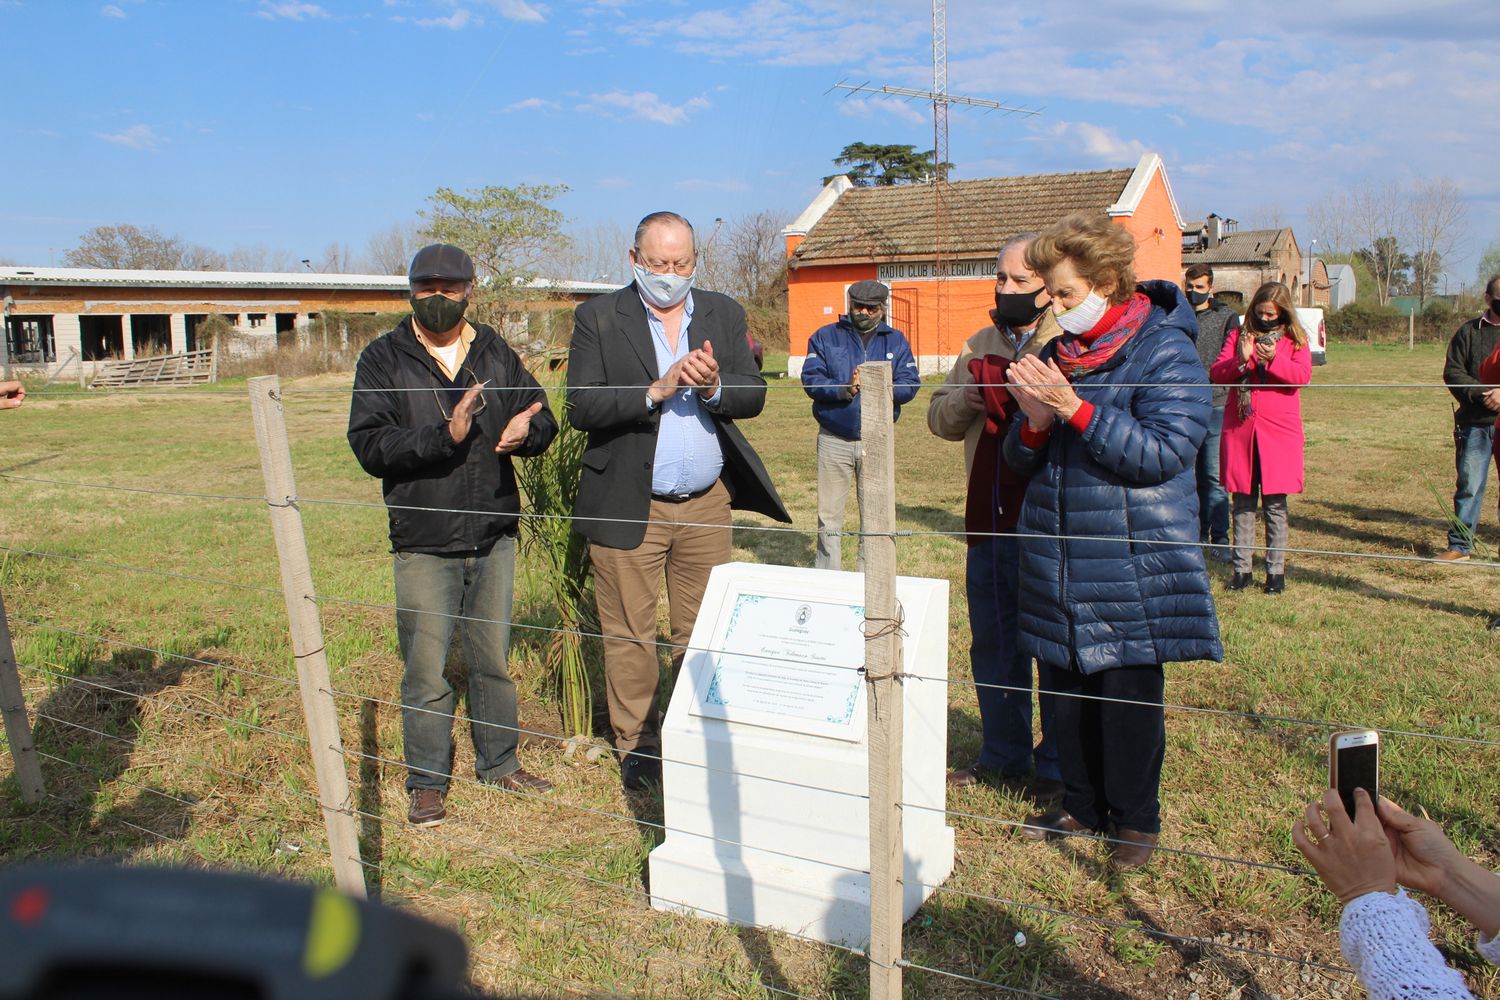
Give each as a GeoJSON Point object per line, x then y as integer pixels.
{"type": "Point", "coordinates": [462, 420]}
{"type": "Point", "coordinates": [701, 371]}
{"type": "Point", "coordinates": [1044, 385]}
{"type": "Point", "coordinates": [517, 429]}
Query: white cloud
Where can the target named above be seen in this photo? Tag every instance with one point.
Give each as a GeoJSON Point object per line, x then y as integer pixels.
{"type": "Point", "coordinates": [868, 107]}
{"type": "Point", "coordinates": [110, 10]}
{"type": "Point", "coordinates": [728, 184]}
{"type": "Point", "coordinates": [533, 104]}
{"type": "Point", "coordinates": [1097, 142]}
{"type": "Point", "coordinates": [455, 21]}
{"type": "Point", "coordinates": [290, 11]}
{"type": "Point", "coordinates": [519, 10]}
{"type": "Point", "coordinates": [134, 137]}
{"type": "Point", "coordinates": [643, 105]}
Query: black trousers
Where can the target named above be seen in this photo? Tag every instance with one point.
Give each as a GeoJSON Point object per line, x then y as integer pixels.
{"type": "Point", "coordinates": [1111, 753]}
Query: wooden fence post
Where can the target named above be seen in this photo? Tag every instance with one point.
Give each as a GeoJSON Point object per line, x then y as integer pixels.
{"type": "Point", "coordinates": [318, 705]}
{"type": "Point", "coordinates": [17, 723]}
{"type": "Point", "coordinates": [882, 664]}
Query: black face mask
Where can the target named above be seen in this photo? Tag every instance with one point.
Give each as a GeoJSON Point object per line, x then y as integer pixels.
{"type": "Point", "coordinates": [438, 313]}
{"type": "Point", "coordinates": [1266, 327]}
{"type": "Point", "coordinates": [865, 322]}
{"type": "Point", "coordinates": [1016, 309]}
{"type": "Point", "coordinates": [1197, 298]}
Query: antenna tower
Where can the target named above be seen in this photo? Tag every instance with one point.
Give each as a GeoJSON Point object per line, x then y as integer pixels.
{"type": "Point", "coordinates": [941, 100]}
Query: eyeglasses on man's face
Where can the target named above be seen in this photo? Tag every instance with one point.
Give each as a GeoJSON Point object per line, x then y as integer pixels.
{"type": "Point", "coordinates": [681, 268]}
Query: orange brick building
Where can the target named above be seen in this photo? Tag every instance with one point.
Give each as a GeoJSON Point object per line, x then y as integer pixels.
{"type": "Point", "coordinates": [850, 233]}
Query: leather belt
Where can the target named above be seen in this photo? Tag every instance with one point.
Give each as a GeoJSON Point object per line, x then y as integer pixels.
{"type": "Point", "coordinates": [681, 497]}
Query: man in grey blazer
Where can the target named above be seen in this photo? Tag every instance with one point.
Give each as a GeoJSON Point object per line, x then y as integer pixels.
{"type": "Point", "coordinates": [664, 465]}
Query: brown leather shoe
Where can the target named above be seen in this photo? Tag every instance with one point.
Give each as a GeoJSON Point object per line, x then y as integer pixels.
{"type": "Point", "coordinates": [426, 807]}
{"type": "Point", "coordinates": [1135, 852]}
{"type": "Point", "coordinates": [968, 777]}
{"type": "Point", "coordinates": [1454, 555]}
{"type": "Point", "coordinates": [522, 780]}
{"type": "Point", "coordinates": [1050, 825]}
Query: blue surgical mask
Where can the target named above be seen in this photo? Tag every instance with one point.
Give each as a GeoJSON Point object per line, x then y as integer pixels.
{"type": "Point", "coordinates": [661, 290]}
{"type": "Point", "coordinates": [1085, 315]}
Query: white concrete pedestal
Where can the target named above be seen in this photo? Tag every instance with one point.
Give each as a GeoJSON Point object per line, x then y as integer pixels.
{"type": "Point", "coordinates": [792, 853]}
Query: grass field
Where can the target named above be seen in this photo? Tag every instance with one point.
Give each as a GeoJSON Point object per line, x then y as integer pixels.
{"type": "Point", "coordinates": [198, 759]}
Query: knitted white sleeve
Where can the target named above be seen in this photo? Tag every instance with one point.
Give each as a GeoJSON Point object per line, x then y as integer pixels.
{"type": "Point", "coordinates": [1384, 938]}
{"type": "Point", "coordinates": [1490, 949]}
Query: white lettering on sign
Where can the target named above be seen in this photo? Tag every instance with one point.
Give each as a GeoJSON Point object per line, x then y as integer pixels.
{"type": "Point", "coordinates": [926, 270]}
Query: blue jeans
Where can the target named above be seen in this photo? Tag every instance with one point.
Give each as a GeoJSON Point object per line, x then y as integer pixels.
{"type": "Point", "coordinates": [1471, 457]}
{"type": "Point", "coordinates": [432, 591]}
{"type": "Point", "coordinates": [1213, 502]}
{"type": "Point", "coordinates": [995, 657]}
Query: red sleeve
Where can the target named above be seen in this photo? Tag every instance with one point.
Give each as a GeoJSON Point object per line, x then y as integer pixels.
{"type": "Point", "coordinates": [1079, 421]}
{"type": "Point", "coordinates": [1033, 438]}
{"type": "Point", "coordinates": [1489, 368]}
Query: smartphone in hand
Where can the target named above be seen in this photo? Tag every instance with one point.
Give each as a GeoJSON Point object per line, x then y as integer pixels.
{"type": "Point", "coordinates": [1354, 762]}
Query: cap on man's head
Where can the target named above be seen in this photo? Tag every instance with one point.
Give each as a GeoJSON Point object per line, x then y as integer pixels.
{"type": "Point", "coordinates": [868, 293]}
{"type": "Point", "coordinates": [441, 260]}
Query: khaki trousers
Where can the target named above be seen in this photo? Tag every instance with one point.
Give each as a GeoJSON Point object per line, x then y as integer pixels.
{"type": "Point", "coordinates": [626, 585]}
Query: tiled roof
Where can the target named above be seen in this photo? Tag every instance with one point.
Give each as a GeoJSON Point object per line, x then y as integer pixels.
{"type": "Point", "coordinates": [896, 222]}
{"type": "Point", "coordinates": [1244, 246]}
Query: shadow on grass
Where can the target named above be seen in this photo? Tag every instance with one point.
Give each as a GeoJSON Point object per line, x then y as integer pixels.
{"type": "Point", "coordinates": [775, 548]}
{"type": "Point", "coordinates": [932, 518]}
{"type": "Point", "coordinates": [1351, 585]}
{"type": "Point", "coordinates": [92, 732]}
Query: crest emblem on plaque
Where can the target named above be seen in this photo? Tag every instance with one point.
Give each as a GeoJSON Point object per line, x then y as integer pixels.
{"type": "Point", "coordinates": [803, 614]}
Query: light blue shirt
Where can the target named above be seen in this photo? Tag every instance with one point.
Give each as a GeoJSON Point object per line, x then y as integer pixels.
{"type": "Point", "coordinates": [688, 455]}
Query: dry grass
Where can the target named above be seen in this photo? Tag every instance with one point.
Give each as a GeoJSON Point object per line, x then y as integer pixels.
{"type": "Point", "coordinates": [1397, 644]}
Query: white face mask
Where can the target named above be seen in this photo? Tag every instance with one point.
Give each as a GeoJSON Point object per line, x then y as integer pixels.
{"type": "Point", "coordinates": [662, 290]}
{"type": "Point", "coordinates": [1085, 315]}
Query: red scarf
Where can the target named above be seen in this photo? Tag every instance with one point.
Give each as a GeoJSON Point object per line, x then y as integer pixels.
{"type": "Point", "coordinates": [1082, 353]}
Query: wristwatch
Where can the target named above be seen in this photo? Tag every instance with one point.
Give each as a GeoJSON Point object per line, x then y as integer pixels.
{"type": "Point", "coordinates": [651, 403]}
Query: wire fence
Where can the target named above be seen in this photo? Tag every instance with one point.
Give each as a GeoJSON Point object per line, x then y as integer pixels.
{"type": "Point", "coordinates": [681, 943]}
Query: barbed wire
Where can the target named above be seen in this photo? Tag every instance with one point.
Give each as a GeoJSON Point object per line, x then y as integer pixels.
{"type": "Point", "coordinates": [148, 571]}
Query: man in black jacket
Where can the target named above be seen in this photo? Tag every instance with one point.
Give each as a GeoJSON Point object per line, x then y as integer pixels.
{"type": "Point", "coordinates": [664, 464]}
{"type": "Point", "coordinates": [1473, 420]}
{"type": "Point", "coordinates": [440, 407]}
{"type": "Point", "coordinates": [1216, 324]}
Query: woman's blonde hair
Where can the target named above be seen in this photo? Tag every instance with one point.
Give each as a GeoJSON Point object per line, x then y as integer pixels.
{"type": "Point", "coordinates": [1101, 252]}
{"type": "Point", "coordinates": [1280, 296]}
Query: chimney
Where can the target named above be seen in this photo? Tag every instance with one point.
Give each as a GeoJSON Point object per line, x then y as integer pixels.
{"type": "Point", "coordinates": [1214, 231]}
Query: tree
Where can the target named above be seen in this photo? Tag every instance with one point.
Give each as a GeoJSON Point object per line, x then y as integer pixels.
{"type": "Point", "coordinates": [1388, 265]}
{"type": "Point", "coordinates": [1438, 216]}
{"type": "Point", "coordinates": [259, 258]}
{"type": "Point", "coordinates": [747, 259]}
{"type": "Point", "coordinates": [509, 231]}
{"type": "Point", "coordinates": [874, 165]}
{"type": "Point", "coordinates": [1330, 219]}
{"type": "Point", "coordinates": [593, 253]}
{"type": "Point", "coordinates": [1489, 264]}
{"type": "Point", "coordinates": [391, 249]}
{"type": "Point", "coordinates": [126, 246]}
{"type": "Point", "coordinates": [1381, 222]}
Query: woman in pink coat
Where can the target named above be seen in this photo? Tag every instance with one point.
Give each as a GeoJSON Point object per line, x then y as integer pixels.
{"type": "Point", "coordinates": [1260, 452]}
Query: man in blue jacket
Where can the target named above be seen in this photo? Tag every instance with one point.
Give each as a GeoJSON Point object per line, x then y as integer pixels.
{"type": "Point", "coordinates": [831, 377]}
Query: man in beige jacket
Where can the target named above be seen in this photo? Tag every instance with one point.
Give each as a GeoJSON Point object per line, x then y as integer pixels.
{"type": "Point", "coordinates": [974, 407]}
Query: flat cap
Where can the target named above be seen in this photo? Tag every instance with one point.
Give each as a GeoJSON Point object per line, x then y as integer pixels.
{"type": "Point", "coordinates": [441, 260]}
{"type": "Point", "coordinates": [868, 293]}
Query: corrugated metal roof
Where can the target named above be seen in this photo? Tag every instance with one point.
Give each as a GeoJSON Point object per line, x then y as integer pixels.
{"type": "Point", "coordinates": [100, 277]}
{"type": "Point", "coordinates": [1241, 247]}
{"type": "Point", "coordinates": [894, 222]}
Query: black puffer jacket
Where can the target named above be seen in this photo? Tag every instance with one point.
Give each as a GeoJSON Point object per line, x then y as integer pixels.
{"type": "Point", "coordinates": [398, 432]}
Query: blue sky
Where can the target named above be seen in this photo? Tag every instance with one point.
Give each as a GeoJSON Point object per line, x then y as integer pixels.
{"type": "Point", "coordinates": [295, 124]}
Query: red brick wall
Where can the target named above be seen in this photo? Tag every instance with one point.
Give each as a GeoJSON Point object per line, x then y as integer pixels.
{"type": "Point", "coordinates": [1158, 241]}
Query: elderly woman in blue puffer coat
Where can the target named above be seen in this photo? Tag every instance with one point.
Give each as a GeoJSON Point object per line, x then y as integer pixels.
{"type": "Point", "coordinates": [1113, 584]}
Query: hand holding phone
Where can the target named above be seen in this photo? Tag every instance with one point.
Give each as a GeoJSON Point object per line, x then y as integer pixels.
{"type": "Point", "coordinates": [1354, 762]}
